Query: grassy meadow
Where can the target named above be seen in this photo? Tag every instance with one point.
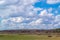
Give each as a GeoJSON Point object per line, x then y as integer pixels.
{"type": "Point", "coordinates": [29, 37]}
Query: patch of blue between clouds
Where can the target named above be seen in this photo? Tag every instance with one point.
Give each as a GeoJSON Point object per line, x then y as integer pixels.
{"type": "Point", "coordinates": [44, 5]}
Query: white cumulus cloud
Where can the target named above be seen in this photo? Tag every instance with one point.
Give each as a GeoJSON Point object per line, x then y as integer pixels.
{"type": "Point", "coordinates": [53, 1]}
{"type": "Point", "coordinates": [21, 14]}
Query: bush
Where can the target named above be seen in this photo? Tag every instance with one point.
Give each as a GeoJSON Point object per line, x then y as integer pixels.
{"type": "Point", "coordinates": [49, 36]}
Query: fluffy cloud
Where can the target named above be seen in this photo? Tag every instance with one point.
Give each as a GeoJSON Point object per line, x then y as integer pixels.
{"type": "Point", "coordinates": [1, 1]}
{"type": "Point", "coordinates": [12, 23]}
{"type": "Point", "coordinates": [13, 20]}
{"type": "Point", "coordinates": [21, 14]}
{"type": "Point", "coordinates": [17, 19]}
{"type": "Point", "coordinates": [53, 1]}
{"type": "Point", "coordinates": [44, 20]}
{"type": "Point", "coordinates": [16, 7]}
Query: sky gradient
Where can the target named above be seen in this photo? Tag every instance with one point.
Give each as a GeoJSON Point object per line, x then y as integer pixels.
{"type": "Point", "coordinates": [29, 14]}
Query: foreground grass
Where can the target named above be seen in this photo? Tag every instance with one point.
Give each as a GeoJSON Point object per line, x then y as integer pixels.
{"type": "Point", "coordinates": [28, 37]}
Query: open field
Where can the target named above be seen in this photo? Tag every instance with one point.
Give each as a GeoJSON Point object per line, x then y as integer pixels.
{"type": "Point", "coordinates": [28, 37]}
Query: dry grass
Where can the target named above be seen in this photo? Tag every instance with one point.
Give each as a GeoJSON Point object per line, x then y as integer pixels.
{"type": "Point", "coordinates": [29, 37]}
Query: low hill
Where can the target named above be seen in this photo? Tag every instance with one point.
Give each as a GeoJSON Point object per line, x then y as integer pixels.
{"type": "Point", "coordinates": [33, 31]}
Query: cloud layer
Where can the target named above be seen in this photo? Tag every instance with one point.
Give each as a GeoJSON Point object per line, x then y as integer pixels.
{"type": "Point", "coordinates": [21, 14]}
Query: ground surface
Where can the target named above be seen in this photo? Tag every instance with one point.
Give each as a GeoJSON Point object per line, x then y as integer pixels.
{"type": "Point", "coordinates": [29, 37]}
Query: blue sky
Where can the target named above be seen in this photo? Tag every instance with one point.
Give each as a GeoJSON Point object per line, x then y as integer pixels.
{"type": "Point", "coordinates": [29, 14]}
